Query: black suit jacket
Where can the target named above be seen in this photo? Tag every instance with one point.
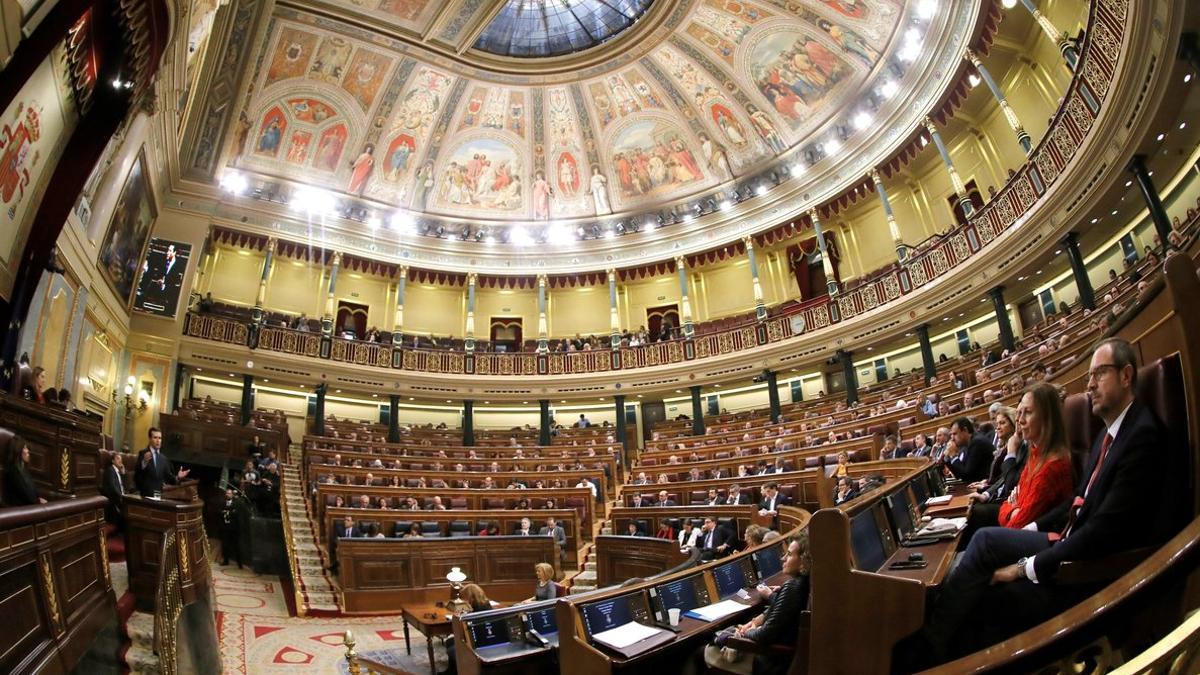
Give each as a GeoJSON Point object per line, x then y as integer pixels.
{"type": "Point", "coordinates": [780, 500]}
{"type": "Point", "coordinates": [151, 477]}
{"type": "Point", "coordinates": [742, 498]}
{"type": "Point", "coordinates": [112, 486]}
{"type": "Point", "coordinates": [720, 535]}
{"type": "Point", "coordinates": [1129, 505]}
{"type": "Point", "coordinates": [781, 619]}
{"type": "Point", "coordinates": [340, 529]}
{"type": "Point", "coordinates": [973, 463]}
{"type": "Point", "coordinates": [1010, 475]}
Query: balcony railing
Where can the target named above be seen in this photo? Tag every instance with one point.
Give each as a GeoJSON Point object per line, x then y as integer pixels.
{"type": "Point", "coordinates": [1070, 126]}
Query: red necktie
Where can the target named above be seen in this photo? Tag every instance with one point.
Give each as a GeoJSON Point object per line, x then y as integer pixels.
{"type": "Point", "coordinates": [1078, 503]}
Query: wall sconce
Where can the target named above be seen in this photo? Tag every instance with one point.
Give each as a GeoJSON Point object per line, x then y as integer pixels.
{"type": "Point", "coordinates": [132, 404]}
{"type": "Point", "coordinates": [457, 605]}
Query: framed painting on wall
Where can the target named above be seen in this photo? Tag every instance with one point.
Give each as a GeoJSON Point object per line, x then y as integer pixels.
{"type": "Point", "coordinates": [128, 230]}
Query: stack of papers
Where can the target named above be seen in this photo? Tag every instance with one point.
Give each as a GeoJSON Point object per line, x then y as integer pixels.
{"type": "Point", "coordinates": [935, 501]}
{"type": "Point", "coordinates": [940, 526]}
{"type": "Point", "coordinates": [716, 611]}
{"type": "Point", "coordinates": [628, 634]}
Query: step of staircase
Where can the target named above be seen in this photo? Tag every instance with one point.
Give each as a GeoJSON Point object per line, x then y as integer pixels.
{"type": "Point", "coordinates": [315, 586]}
{"type": "Point", "coordinates": [140, 656]}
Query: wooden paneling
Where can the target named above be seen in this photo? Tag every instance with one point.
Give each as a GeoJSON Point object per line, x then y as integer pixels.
{"type": "Point", "coordinates": [63, 447]}
{"type": "Point", "coordinates": [224, 440]}
{"type": "Point", "coordinates": [381, 575]}
{"type": "Point", "coordinates": [147, 522]}
{"type": "Point", "coordinates": [55, 591]}
{"type": "Point", "coordinates": [619, 558]}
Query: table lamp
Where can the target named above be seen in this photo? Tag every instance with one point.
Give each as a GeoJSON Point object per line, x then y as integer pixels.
{"type": "Point", "coordinates": [457, 605]}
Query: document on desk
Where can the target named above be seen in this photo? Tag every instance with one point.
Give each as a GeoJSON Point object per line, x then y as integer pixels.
{"type": "Point", "coordinates": [938, 501]}
{"type": "Point", "coordinates": [626, 635]}
{"type": "Point", "coordinates": [717, 610]}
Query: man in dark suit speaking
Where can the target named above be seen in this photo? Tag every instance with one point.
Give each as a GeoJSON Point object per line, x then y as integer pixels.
{"type": "Point", "coordinates": [154, 469]}
{"type": "Point", "coordinates": [1120, 503]}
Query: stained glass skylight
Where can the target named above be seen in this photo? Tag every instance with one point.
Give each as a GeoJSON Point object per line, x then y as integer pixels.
{"type": "Point", "coordinates": [538, 28]}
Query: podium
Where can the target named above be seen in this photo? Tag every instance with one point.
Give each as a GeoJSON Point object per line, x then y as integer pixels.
{"type": "Point", "coordinates": [147, 522]}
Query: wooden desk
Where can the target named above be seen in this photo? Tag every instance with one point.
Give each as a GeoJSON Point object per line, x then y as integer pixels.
{"type": "Point", "coordinates": [64, 447]}
{"type": "Point", "coordinates": [430, 620]}
{"type": "Point", "coordinates": [938, 557]}
{"type": "Point", "coordinates": [147, 522]}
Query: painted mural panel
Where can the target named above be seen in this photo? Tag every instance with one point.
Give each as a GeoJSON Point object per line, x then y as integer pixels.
{"type": "Point", "coordinates": [33, 131]}
{"type": "Point", "coordinates": [737, 82]}
{"type": "Point", "coordinates": [133, 216]}
{"type": "Point", "coordinates": [650, 158]}
{"type": "Point", "coordinates": [482, 173]}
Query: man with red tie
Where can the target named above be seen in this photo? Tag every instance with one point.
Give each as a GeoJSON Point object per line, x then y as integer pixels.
{"type": "Point", "coordinates": [1005, 582]}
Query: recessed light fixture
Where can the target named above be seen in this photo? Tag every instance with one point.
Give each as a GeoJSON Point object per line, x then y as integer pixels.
{"type": "Point", "coordinates": [1160, 137]}
{"type": "Point", "coordinates": [1114, 212]}
{"type": "Point", "coordinates": [1095, 220]}
{"type": "Point", "coordinates": [1187, 78]}
{"type": "Point", "coordinates": [1058, 252]}
{"type": "Point", "coordinates": [1183, 125]}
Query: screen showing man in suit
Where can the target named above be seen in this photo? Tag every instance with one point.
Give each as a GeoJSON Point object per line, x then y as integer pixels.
{"type": "Point", "coordinates": [162, 275]}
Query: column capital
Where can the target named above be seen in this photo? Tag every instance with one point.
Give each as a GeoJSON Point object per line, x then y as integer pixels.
{"type": "Point", "coordinates": [927, 122]}
{"type": "Point", "coordinates": [337, 258]}
{"type": "Point", "coordinates": [472, 278]}
{"type": "Point", "coordinates": [876, 177]}
{"type": "Point", "coordinates": [814, 215]}
{"type": "Point", "coordinates": [970, 55]}
{"type": "Point", "coordinates": [996, 292]}
{"type": "Point", "coordinates": [681, 262]}
{"type": "Point", "coordinates": [1071, 238]}
{"type": "Point", "coordinates": [1137, 164]}
{"type": "Point", "coordinates": [611, 273]}
{"type": "Point", "coordinates": [403, 271]}
{"type": "Point", "coordinates": [923, 329]}
{"type": "Point", "coordinates": [272, 243]}
{"type": "Point", "coordinates": [748, 242]}
{"type": "Point", "coordinates": [542, 280]}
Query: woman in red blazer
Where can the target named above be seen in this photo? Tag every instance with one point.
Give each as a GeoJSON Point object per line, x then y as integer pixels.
{"type": "Point", "coordinates": [1046, 480]}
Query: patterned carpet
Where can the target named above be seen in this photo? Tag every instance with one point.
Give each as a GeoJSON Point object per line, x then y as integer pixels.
{"type": "Point", "coordinates": [259, 637]}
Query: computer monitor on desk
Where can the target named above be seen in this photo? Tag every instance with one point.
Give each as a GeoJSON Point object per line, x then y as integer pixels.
{"type": "Point", "coordinates": [900, 507]}
{"type": "Point", "coordinates": [937, 481]}
{"type": "Point", "coordinates": [544, 621]}
{"type": "Point", "coordinates": [920, 488]}
{"type": "Point", "coordinates": [493, 632]}
{"type": "Point", "coordinates": [683, 594]}
{"type": "Point", "coordinates": [768, 561]}
{"type": "Point", "coordinates": [610, 613]}
{"type": "Point", "coordinates": [734, 576]}
{"type": "Point", "coordinates": [870, 539]}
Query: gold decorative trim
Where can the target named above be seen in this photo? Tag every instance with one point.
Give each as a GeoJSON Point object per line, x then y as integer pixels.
{"type": "Point", "coordinates": [184, 564]}
{"type": "Point", "coordinates": [51, 593]}
{"type": "Point", "coordinates": [65, 468]}
{"type": "Point", "coordinates": [104, 556]}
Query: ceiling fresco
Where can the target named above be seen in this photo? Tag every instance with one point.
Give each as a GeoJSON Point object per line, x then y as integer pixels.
{"type": "Point", "coordinates": [730, 87]}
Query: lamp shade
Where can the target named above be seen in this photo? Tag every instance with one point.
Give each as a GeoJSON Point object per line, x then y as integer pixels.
{"type": "Point", "coordinates": [456, 576]}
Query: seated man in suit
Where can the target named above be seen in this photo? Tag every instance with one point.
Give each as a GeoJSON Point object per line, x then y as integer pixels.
{"type": "Point", "coordinates": [113, 488]}
{"type": "Point", "coordinates": [771, 502]}
{"type": "Point", "coordinates": [715, 542]}
{"type": "Point", "coordinates": [1121, 502]}
{"type": "Point", "coordinates": [974, 458]}
{"type": "Point", "coordinates": [555, 530]}
{"type": "Point", "coordinates": [736, 496]}
{"type": "Point", "coordinates": [154, 469]}
{"type": "Point", "coordinates": [713, 498]}
{"type": "Point", "coordinates": [663, 499]}
{"type": "Point", "coordinates": [346, 528]}
{"type": "Point", "coordinates": [525, 529]}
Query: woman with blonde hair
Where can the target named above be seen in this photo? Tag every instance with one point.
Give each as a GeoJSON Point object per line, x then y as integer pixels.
{"type": "Point", "coordinates": [545, 589]}
{"type": "Point", "coordinates": [478, 601]}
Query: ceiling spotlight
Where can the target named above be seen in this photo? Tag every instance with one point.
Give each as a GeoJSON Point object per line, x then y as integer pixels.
{"type": "Point", "coordinates": [489, 239]}
{"type": "Point", "coordinates": [610, 234]}
{"type": "Point", "coordinates": [1187, 78]}
{"type": "Point", "coordinates": [1160, 137]}
{"type": "Point", "coordinates": [373, 223]}
{"type": "Point", "coordinates": [233, 182]}
{"type": "Point", "coordinates": [889, 89]}
{"type": "Point", "coordinates": [312, 201]}
{"type": "Point", "coordinates": [760, 190]}
{"type": "Point", "coordinates": [926, 8]}
{"type": "Point", "coordinates": [973, 80]}
{"type": "Point", "coordinates": [863, 120]}
{"type": "Point", "coordinates": [726, 205]}
{"type": "Point", "coordinates": [796, 170]}
{"type": "Point", "coordinates": [908, 53]}
{"type": "Point", "coordinates": [1008, 4]}
{"type": "Point", "coordinates": [558, 235]}
{"type": "Point", "coordinates": [687, 217]}
{"type": "Point", "coordinates": [402, 221]}
{"type": "Point", "coordinates": [832, 147]}
{"type": "Point", "coordinates": [519, 237]}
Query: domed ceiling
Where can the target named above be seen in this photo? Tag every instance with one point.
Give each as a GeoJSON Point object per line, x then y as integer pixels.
{"type": "Point", "coordinates": [448, 111]}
